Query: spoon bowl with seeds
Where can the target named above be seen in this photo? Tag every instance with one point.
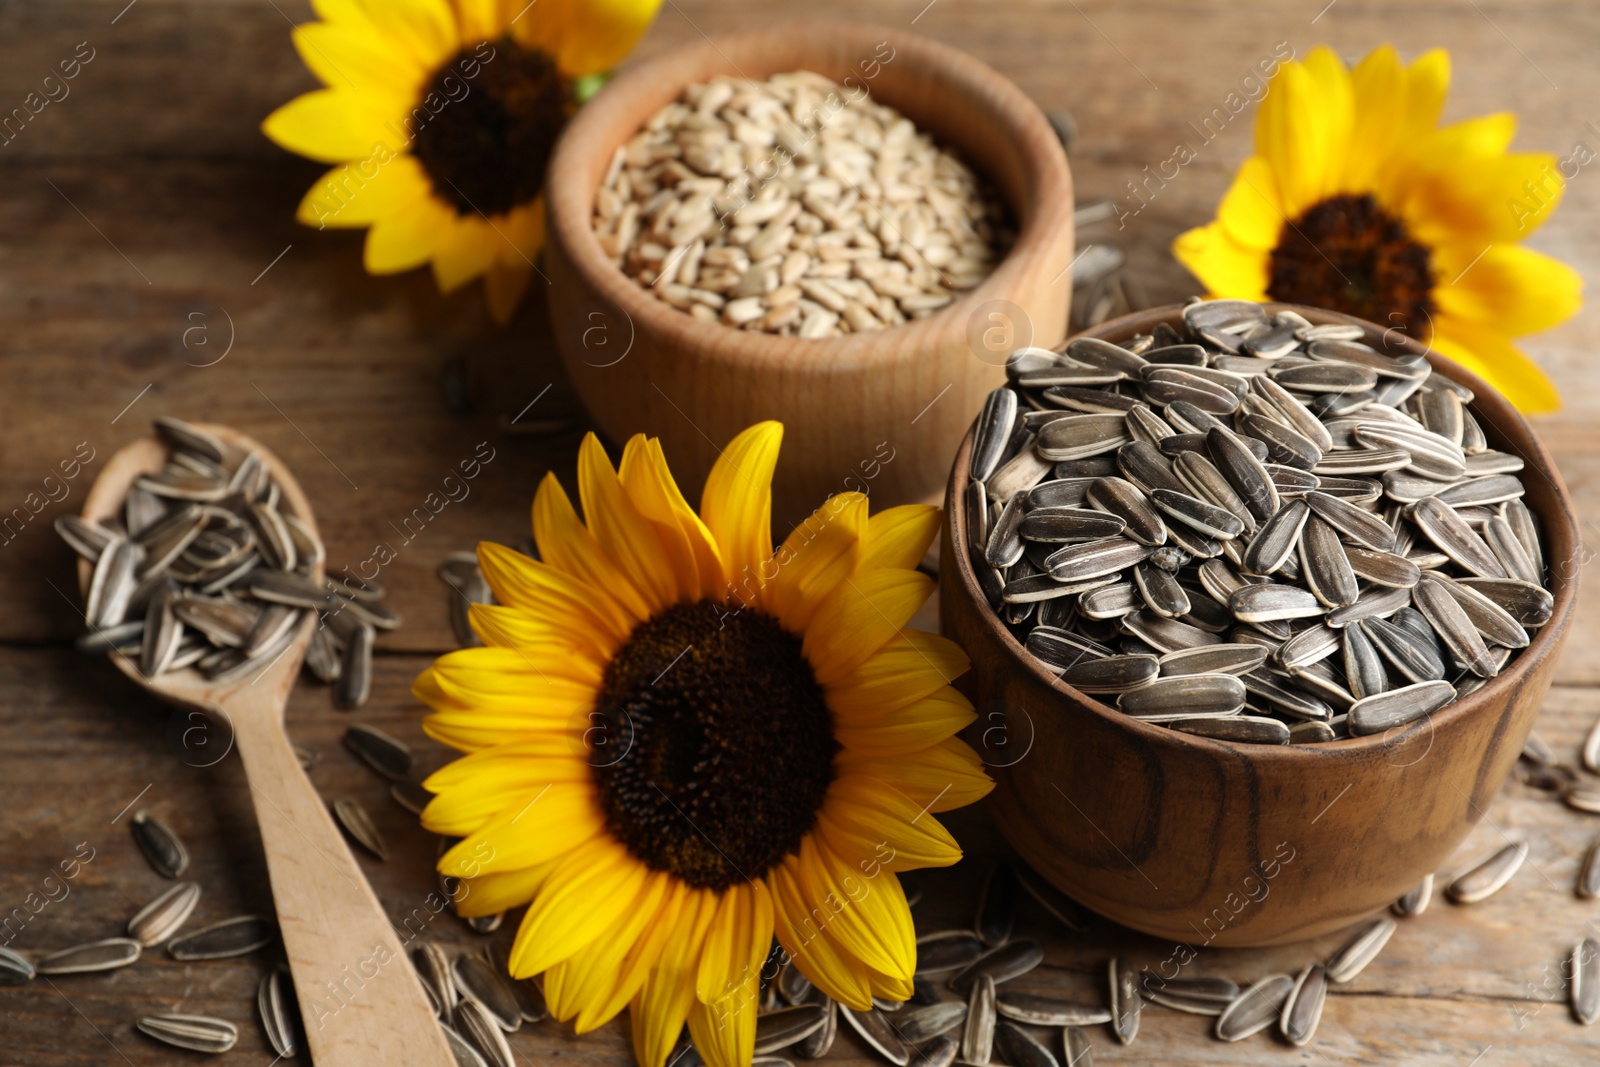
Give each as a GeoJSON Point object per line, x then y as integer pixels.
{"type": "Point", "coordinates": [204, 535]}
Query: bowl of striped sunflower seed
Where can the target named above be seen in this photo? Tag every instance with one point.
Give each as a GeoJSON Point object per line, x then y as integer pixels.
{"type": "Point", "coordinates": [1261, 601]}
{"type": "Point", "coordinates": [820, 223]}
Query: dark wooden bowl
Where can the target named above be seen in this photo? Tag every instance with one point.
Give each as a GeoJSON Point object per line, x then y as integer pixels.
{"type": "Point", "coordinates": [1216, 843]}
{"type": "Point", "coordinates": [882, 411]}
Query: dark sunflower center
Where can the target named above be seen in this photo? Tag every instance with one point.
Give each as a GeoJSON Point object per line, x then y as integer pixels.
{"type": "Point", "coordinates": [726, 740]}
{"type": "Point", "coordinates": [1347, 254]}
{"type": "Point", "coordinates": [486, 146]}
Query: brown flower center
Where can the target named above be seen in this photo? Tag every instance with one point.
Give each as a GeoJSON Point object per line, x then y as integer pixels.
{"type": "Point", "coordinates": [484, 139]}
{"type": "Point", "coordinates": [1347, 254]}
{"type": "Point", "coordinates": [716, 747]}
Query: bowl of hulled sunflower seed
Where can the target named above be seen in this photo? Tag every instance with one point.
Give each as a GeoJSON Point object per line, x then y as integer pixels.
{"type": "Point", "coordinates": [841, 227]}
{"type": "Point", "coordinates": [1262, 602]}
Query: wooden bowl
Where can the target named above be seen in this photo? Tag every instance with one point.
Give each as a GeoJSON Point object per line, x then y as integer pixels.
{"type": "Point", "coordinates": [879, 411]}
{"type": "Point", "coordinates": [1216, 843]}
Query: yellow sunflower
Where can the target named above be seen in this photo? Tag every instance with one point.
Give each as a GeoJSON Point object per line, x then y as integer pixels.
{"type": "Point", "coordinates": [441, 116]}
{"type": "Point", "coordinates": [682, 743]}
{"type": "Point", "coordinates": [1357, 200]}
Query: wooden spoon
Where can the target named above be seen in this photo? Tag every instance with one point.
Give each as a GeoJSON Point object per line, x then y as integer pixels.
{"type": "Point", "coordinates": [360, 1000]}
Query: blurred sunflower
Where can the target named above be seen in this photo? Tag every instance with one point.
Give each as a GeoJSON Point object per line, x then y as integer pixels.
{"type": "Point", "coordinates": [1357, 200]}
{"type": "Point", "coordinates": [441, 116]}
{"type": "Point", "coordinates": [682, 743]}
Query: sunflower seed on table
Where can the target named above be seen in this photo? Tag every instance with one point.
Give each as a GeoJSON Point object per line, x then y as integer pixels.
{"type": "Point", "coordinates": [1584, 989]}
{"type": "Point", "coordinates": [1415, 902]}
{"type": "Point", "coordinates": [1075, 1043]}
{"type": "Point", "coordinates": [483, 1034]}
{"type": "Point", "coordinates": [475, 979]}
{"type": "Point", "coordinates": [1589, 872]}
{"type": "Point", "coordinates": [354, 684]}
{"type": "Point", "coordinates": [873, 1027]}
{"type": "Point", "coordinates": [1020, 1048]}
{"type": "Point", "coordinates": [1036, 1010]}
{"type": "Point", "coordinates": [198, 1033]}
{"type": "Point", "coordinates": [434, 972]}
{"type": "Point", "coordinates": [387, 755]}
{"type": "Point", "coordinates": [1582, 798]}
{"type": "Point", "coordinates": [160, 845]}
{"type": "Point", "coordinates": [279, 1018]}
{"type": "Point", "coordinates": [977, 1037]}
{"type": "Point", "coordinates": [947, 951]}
{"type": "Point", "coordinates": [925, 1024]}
{"type": "Point", "coordinates": [1125, 1000]}
{"type": "Point", "coordinates": [1303, 1009]}
{"type": "Point", "coordinates": [1489, 875]}
{"type": "Point", "coordinates": [1011, 960]}
{"type": "Point", "coordinates": [15, 968]}
{"type": "Point", "coordinates": [1255, 1009]}
{"type": "Point", "coordinates": [104, 955]}
{"type": "Point", "coordinates": [1351, 958]}
{"type": "Point", "coordinates": [238, 936]}
{"type": "Point", "coordinates": [1197, 996]}
{"type": "Point", "coordinates": [940, 1052]}
{"type": "Point", "coordinates": [355, 821]}
{"type": "Point", "coordinates": [816, 1044]}
{"type": "Point", "coordinates": [162, 917]}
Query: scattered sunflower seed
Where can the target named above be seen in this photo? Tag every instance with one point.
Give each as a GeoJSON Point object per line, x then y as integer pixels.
{"type": "Point", "coordinates": [359, 825]}
{"type": "Point", "coordinates": [1125, 1000]}
{"type": "Point", "coordinates": [387, 755]}
{"type": "Point", "coordinates": [1416, 902]}
{"type": "Point", "coordinates": [1584, 991]}
{"type": "Point", "coordinates": [106, 955]}
{"type": "Point", "coordinates": [279, 1017]}
{"type": "Point", "coordinates": [1352, 957]}
{"type": "Point", "coordinates": [231, 937]}
{"type": "Point", "coordinates": [977, 1040]}
{"type": "Point", "coordinates": [873, 1028]}
{"type": "Point", "coordinates": [1303, 1010]}
{"type": "Point", "coordinates": [1255, 1009]}
{"type": "Point", "coordinates": [477, 980]}
{"type": "Point", "coordinates": [198, 1033]}
{"type": "Point", "coordinates": [158, 920]}
{"type": "Point", "coordinates": [160, 845]}
{"type": "Point", "coordinates": [1488, 876]}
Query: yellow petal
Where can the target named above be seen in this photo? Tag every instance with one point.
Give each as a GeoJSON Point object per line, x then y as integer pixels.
{"type": "Point", "coordinates": [724, 1031]}
{"type": "Point", "coordinates": [465, 253]}
{"type": "Point", "coordinates": [586, 896]}
{"type": "Point", "coordinates": [626, 536]}
{"type": "Point", "coordinates": [944, 777]}
{"type": "Point", "coordinates": [941, 714]}
{"type": "Point", "coordinates": [819, 553]}
{"type": "Point", "coordinates": [736, 943]}
{"type": "Point", "coordinates": [874, 821]}
{"type": "Point", "coordinates": [899, 537]}
{"type": "Point", "coordinates": [1487, 199]}
{"type": "Point", "coordinates": [490, 894]}
{"type": "Point", "coordinates": [571, 547]}
{"type": "Point", "coordinates": [647, 950]}
{"type": "Point", "coordinates": [1248, 213]}
{"type": "Point", "coordinates": [481, 20]}
{"type": "Point", "coordinates": [401, 242]}
{"type": "Point", "coordinates": [871, 918]}
{"type": "Point", "coordinates": [663, 1001]}
{"type": "Point", "coordinates": [1303, 128]}
{"type": "Point", "coordinates": [802, 927]}
{"type": "Point", "coordinates": [1378, 89]}
{"type": "Point", "coordinates": [586, 36]}
{"type": "Point", "coordinates": [585, 984]}
{"type": "Point", "coordinates": [329, 125]}
{"type": "Point", "coordinates": [425, 28]}
{"type": "Point", "coordinates": [534, 761]}
{"type": "Point", "coordinates": [505, 627]}
{"type": "Point", "coordinates": [350, 57]}
{"type": "Point", "coordinates": [901, 673]}
{"type": "Point", "coordinates": [649, 482]}
{"type": "Point", "coordinates": [1224, 267]}
{"type": "Point", "coordinates": [1427, 84]}
{"type": "Point", "coordinates": [546, 826]}
{"type": "Point", "coordinates": [737, 502]}
{"type": "Point", "coordinates": [859, 617]}
{"type": "Point", "coordinates": [1507, 289]}
{"type": "Point", "coordinates": [1496, 360]}
{"type": "Point", "coordinates": [360, 193]}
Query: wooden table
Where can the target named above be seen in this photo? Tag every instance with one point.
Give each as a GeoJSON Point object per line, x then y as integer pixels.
{"type": "Point", "coordinates": [149, 264]}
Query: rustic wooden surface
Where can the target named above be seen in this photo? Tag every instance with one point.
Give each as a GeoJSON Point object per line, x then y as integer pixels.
{"type": "Point", "coordinates": [146, 204]}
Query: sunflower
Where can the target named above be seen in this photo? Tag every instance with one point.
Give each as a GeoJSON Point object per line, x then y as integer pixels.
{"type": "Point", "coordinates": [1357, 200]}
{"type": "Point", "coordinates": [441, 116]}
{"type": "Point", "coordinates": [683, 743]}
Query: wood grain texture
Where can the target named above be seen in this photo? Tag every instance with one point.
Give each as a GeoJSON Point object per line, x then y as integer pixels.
{"type": "Point", "coordinates": [339, 373]}
{"type": "Point", "coordinates": [881, 411]}
{"type": "Point", "coordinates": [1166, 832]}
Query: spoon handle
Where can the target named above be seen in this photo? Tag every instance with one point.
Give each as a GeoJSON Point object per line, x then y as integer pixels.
{"type": "Point", "coordinates": [360, 1000]}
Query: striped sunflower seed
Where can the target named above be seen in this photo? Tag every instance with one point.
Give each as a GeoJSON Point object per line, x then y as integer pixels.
{"type": "Point", "coordinates": [1255, 1009]}
{"type": "Point", "coordinates": [1277, 538]}
{"type": "Point", "coordinates": [1325, 566]}
{"type": "Point", "coordinates": [1454, 627]}
{"type": "Point", "coordinates": [1002, 964]}
{"type": "Point", "coordinates": [475, 979]}
{"type": "Point", "coordinates": [160, 845]}
{"type": "Point", "coordinates": [15, 968]}
{"type": "Point", "coordinates": [387, 755]}
{"type": "Point", "coordinates": [1415, 902]}
{"type": "Point", "coordinates": [1036, 1010]}
{"type": "Point", "coordinates": [873, 1028]}
{"type": "Point", "coordinates": [1095, 559]}
{"type": "Point", "coordinates": [1271, 602]}
{"type": "Point", "coordinates": [820, 1041]}
{"type": "Point", "coordinates": [1588, 886]}
{"type": "Point", "coordinates": [1353, 956]}
{"type": "Point", "coordinates": [1212, 659]}
{"type": "Point", "coordinates": [946, 951]}
{"type": "Point", "coordinates": [483, 1034]}
{"type": "Point", "coordinates": [1584, 990]}
{"type": "Point", "coordinates": [1196, 996]}
{"type": "Point", "coordinates": [930, 1022]}
{"type": "Point", "coordinates": [788, 1026]}
{"type": "Point", "coordinates": [355, 821]}
{"type": "Point", "coordinates": [1020, 1048]}
{"type": "Point", "coordinates": [995, 423]}
{"type": "Point", "coordinates": [279, 1017]}
{"type": "Point", "coordinates": [1245, 729]}
{"type": "Point", "coordinates": [1076, 1044]}
{"type": "Point", "coordinates": [106, 955]}
{"type": "Point", "coordinates": [1125, 1000]}
{"type": "Point", "coordinates": [434, 971]}
{"type": "Point", "coordinates": [232, 937]}
{"type": "Point", "coordinates": [1446, 529]}
{"type": "Point", "coordinates": [1397, 707]}
{"type": "Point", "coordinates": [198, 1033]}
{"type": "Point", "coordinates": [1488, 876]}
{"type": "Point", "coordinates": [1185, 696]}
{"type": "Point", "coordinates": [158, 920]}
{"type": "Point", "coordinates": [1303, 1010]}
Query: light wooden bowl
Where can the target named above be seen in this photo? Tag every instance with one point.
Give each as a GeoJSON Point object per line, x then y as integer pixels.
{"type": "Point", "coordinates": [883, 411]}
{"type": "Point", "coordinates": [1177, 835]}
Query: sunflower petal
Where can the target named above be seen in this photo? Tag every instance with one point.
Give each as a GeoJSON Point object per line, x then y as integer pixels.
{"type": "Point", "coordinates": [944, 777]}
{"type": "Point", "coordinates": [649, 482]}
{"type": "Point", "coordinates": [724, 1031]}
{"type": "Point", "coordinates": [328, 125]}
{"type": "Point", "coordinates": [1224, 267]}
{"type": "Point", "coordinates": [861, 616]}
{"type": "Point", "coordinates": [548, 826]}
{"type": "Point", "coordinates": [490, 894]}
{"type": "Point", "coordinates": [401, 242]}
{"type": "Point", "coordinates": [571, 547]}
{"type": "Point", "coordinates": [646, 952]}
{"type": "Point", "coordinates": [737, 502]}
{"type": "Point", "coordinates": [586, 36]}
{"type": "Point", "coordinates": [1492, 357]}
{"type": "Point", "coordinates": [899, 537]}
{"type": "Point", "coordinates": [584, 985]}
{"type": "Point", "coordinates": [872, 820]}
{"type": "Point", "coordinates": [871, 919]}
{"type": "Point", "coordinates": [1509, 289]}
{"type": "Point", "coordinates": [627, 537]}
{"type": "Point", "coordinates": [802, 929]}
{"type": "Point", "coordinates": [1303, 126]}
{"type": "Point", "coordinates": [1378, 89]}
{"type": "Point", "coordinates": [464, 253]}
{"type": "Point", "coordinates": [737, 942]}
{"type": "Point", "coordinates": [925, 722]}
{"type": "Point", "coordinates": [663, 1001]}
{"type": "Point", "coordinates": [1248, 213]}
{"type": "Point", "coordinates": [584, 898]}
{"type": "Point", "coordinates": [819, 553]}
{"type": "Point", "coordinates": [1427, 83]}
{"type": "Point", "coordinates": [905, 670]}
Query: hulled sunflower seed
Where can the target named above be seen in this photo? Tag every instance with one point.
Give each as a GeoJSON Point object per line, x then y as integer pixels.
{"type": "Point", "coordinates": [1488, 876]}
{"type": "Point", "coordinates": [873, 1028]}
{"type": "Point", "coordinates": [161, 918]}
{"type": "Point", "coordinates": [275, 1002]}
{"type": "Point", "coordinates": [1255, 1009]}
{"type": "Point", "coordinates": [231, 937]}
{"type": "Point", "coordinates": [105, 955]}
{"type": "Point", "coordinates": [198, 1033]}
{"type": "Point", "coordinates": [160, 845]}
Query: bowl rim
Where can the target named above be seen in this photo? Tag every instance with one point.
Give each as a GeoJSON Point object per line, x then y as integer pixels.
{"type": "Point", "coordinates": [636, 93]}
{"type": "Point", "coordinates": [1507, 423]}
